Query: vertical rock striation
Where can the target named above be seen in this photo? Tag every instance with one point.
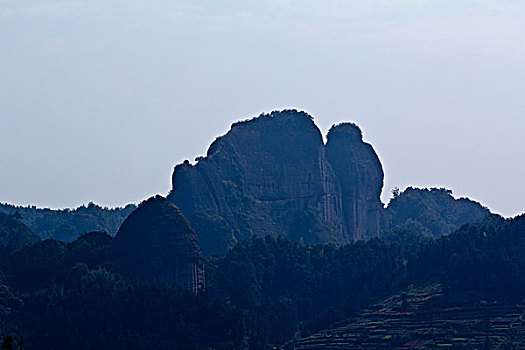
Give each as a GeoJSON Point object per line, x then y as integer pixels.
{"type": "Point", "coordinates": [273, 175]}
{"type": "Point", "coordinates": [360, 175]}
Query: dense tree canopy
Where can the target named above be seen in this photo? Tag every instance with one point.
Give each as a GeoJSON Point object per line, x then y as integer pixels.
{"type": "Point", "coordinates": [263, 291]}
{"type": "Point", "coordinates": [68, 224]}
{"type": "Point", "coordinates": [432, 211]}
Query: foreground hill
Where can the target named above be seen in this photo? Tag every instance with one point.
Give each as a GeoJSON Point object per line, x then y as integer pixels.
{"type": "Point", "coordinates": [273, 175]}
{"type": "Point", "coordinates": [68, 224]}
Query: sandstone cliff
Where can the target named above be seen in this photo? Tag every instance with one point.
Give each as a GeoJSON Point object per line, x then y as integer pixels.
{"type": "Point", "coordinates": [273, 175]}
{"type": "Point", "coordinates": [360, 175]}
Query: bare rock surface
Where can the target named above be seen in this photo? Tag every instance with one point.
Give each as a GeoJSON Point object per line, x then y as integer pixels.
{"type": "Point", "coordinates": [273, 175]}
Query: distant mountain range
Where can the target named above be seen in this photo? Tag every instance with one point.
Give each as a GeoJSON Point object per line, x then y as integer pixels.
{"type": "Point", "coordinates": [68, 224]}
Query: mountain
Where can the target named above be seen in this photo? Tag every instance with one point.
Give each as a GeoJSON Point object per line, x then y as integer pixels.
{"type": "Point", "coordinates": [433, 212]}
{"type": "Point", "coordinates": [273, 175]}
{"type": "Point", "coordinates": [14, 234]}
{"type": "Point", "coordinates": [156, 242]}
{"type": "Point", "coordinates": [68, 224]}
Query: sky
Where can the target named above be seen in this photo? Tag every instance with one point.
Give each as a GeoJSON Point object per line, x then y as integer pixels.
{"type": "Point", "coordinates": [100, 99]}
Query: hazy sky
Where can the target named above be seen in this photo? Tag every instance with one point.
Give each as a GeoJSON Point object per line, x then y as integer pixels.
{"type": "Point", "coordinates": [100, 99]}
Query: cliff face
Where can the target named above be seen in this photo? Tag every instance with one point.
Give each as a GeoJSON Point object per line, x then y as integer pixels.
{"type": "Point", "coordinates": [360, 175]}
{"type": "Point", "coordinates": [156, 242]}
{"type": "Point", "coordinates": [273, 175]}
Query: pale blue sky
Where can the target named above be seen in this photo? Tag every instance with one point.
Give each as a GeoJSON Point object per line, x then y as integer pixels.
{"type": "Point", "coordinates": [100, 99]}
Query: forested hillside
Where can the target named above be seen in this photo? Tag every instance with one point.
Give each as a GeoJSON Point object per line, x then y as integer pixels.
{"type": "Point", "coordinates": [68, 224]}
{"type": "Point", "coordinates": [14, 234]}
{"type": "Point", "coordinates": [265, 291]}
{"type": "Point", "coordinates": [432, 211]}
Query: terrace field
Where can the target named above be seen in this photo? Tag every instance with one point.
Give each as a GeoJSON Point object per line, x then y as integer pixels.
{"type": "Point", "coordinates": [423, 318]}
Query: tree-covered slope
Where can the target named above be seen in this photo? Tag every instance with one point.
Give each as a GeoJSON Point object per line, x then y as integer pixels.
{"type": "Point", "coordinates": [60, 295]}
{"type": "Point", "coordinates": [14, 234]}
{"type": "Point", "coordinates": [68, 224]}
{"type": "Point", "coordinates": [432, 211]}
{"type": "Point", "coordinates": [291, 288]}
{"type": "Point", "coordinates": [266, 291]}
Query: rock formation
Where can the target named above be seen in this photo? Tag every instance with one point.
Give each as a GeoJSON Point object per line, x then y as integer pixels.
{"type": "Point", "coordinates": [156, 242]}
{"type": "Point", "coordinates": [360, 175]}
{"type": "Point", "coordinates": [273, 175]}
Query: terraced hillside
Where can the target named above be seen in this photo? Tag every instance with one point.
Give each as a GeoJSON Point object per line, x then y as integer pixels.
{"type": "Point", "coordinates": [425, 319]}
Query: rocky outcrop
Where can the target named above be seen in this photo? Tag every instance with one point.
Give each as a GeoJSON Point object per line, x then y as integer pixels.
{"type": "Point", "coordinates": [273, 175]}
{"type": "Point", "coordinates": [156, 242]}
{"type": "Point", "coordinates": [433, 211]}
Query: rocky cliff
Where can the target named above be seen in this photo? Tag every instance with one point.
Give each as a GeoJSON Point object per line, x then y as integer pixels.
{"type": "Point", "coordinates": [360, 175]}
{"type": "Point", "coordinates": [273, 175]}
{"type": "Point", "coordinates": [156, 242]}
